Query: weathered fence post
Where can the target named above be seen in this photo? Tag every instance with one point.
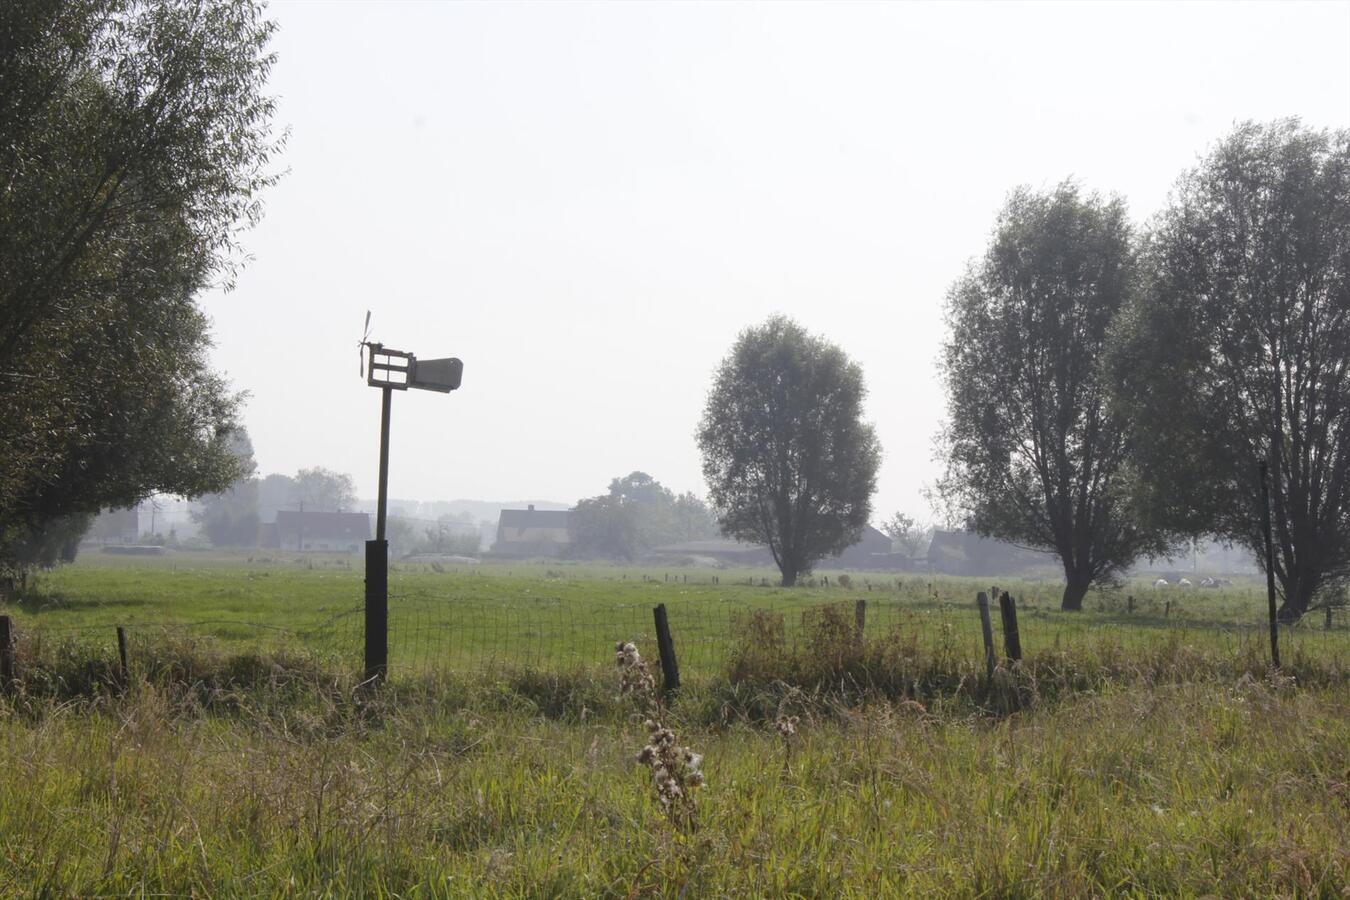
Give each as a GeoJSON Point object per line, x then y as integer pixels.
{"type": "Point", "coordinates": [1129, 603]}
{"type": "Point", "coordinates": [123, 671]}
{"type": "Point", "coordinates": [1012, 641]}
{"type": "Point", "coordinates": [987, 630]}
{"type": "Point", "coordinates": [6, 653]}
{"type": "Point", "coordinates": [859, 621]}
{"type": "Point", "coordinates": [1167, 609]}
{"type": "Point", "coordinates": [665, 648]}
{"type": "Point", "coordinates": [1327, 625]}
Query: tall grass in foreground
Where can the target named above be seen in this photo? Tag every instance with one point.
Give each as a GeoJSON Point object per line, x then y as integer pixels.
{"type": "Point", "coordinates": [1173, 772]}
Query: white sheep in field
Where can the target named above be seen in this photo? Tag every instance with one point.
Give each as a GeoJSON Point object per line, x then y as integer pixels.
{"type": "Point", "coordinates": [1185, 582]}
{"type": "Point", "coordinates": [1160, 583]}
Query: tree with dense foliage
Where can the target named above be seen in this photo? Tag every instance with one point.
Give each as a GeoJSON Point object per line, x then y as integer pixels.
{"type": "Point", "coordinates": [789, 461]}
{"type": "Point", "coordinates": [229, 518]}
{"type": "Point", "coordinates": [136, 142]}
{"type": "Point", "coordinates": [1238, 351]}
{"type": "Point", "coordinates": [323, 490]}
{"type": "Point", "coordinates": [605, 527]}
{"type": "Point", "coordinates": [690, 519]}
{"type": "Point", "coordinates": [1035, 455]}
{"type": "Point", "coordinates": [637, 514]}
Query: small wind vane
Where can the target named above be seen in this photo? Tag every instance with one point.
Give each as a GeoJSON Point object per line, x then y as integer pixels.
{"type": "Point", "coordinates": [361, 347]}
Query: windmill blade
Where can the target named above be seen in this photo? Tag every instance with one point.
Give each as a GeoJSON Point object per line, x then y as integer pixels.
{"type": "Point", "coordinates": [361, 346]}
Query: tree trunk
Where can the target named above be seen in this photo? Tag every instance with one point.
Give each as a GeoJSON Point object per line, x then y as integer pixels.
{"type": "Point", "coordinates": [789, 576]}
{"type": "Point", "coordinates": [1075, 589]}
{"type": "Point", "coordinates": [1297, 599]}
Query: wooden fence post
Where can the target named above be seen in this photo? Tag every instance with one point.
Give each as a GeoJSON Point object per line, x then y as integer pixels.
{"type": "Point", "coordinates": [6, 653]}
{"type": "Point", "coordinates": [859, 621]}
{"type": "Point", "coordinates": [1129, 603]}
{"type": "Point", "coordinates": [665, 648]}
{"type": "Point", "coordinates": [125, 671]}
{"type": "Point", "coordinates": [1327, 625]}
{"type": "Point", "coordinates": [987, 630]}
{"type": "Point", "coordinates": [1012, 641]}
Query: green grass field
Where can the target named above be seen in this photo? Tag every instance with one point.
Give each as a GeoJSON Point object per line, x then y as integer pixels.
{"type": "Point", "coordinates": [1135, 754]}
{"type": "Point", "coordinates": [560, 615]}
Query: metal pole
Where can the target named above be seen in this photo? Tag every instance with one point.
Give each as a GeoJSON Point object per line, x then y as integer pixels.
{"type": "Point", "coordinates": [1270, 564]}
{"type": "Point", "coordinates": [377, 564]}
{"type": "Point", "coordinates": [385, 404]}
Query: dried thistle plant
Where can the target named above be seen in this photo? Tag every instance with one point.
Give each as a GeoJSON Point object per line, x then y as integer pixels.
{"type": "Point", "coordinates": [786, 726]}
{"type": "Point", "coordinates": [676, 770]}
{"type": "Point", "coordinates": [635, 679]}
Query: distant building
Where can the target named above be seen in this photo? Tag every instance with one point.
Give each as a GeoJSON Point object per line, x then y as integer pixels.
{"type": "Point", "coordinates": [967, 553]}
{"type": "Point", "coordinates": [871, 551]}
{"type": "Point", "coordinates": [522, 533]}
{"type": "Point", "coordinates": [723, 551]}
{"type": "Point", "coordinates": [330, 531]}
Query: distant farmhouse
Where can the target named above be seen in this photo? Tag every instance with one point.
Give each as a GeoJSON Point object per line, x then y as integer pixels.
{"type": "Point", "coordinates": [872, 551]}
{"type": "Point", "coordinates": [523, 533]}
{"type": "Point", "coordinates": [966, 553]}
{"type": "Point", "coordinates": [335, 532]}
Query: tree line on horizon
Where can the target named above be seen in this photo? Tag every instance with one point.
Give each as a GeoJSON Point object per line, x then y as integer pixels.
{"type": "Point", "coordinates": [1111, 386]}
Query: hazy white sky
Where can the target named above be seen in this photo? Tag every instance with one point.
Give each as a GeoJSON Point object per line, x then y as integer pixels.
{"type": "Point", "coordinates": [587, 202]}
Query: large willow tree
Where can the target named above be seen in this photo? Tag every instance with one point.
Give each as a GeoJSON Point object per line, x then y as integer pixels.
{"type": "Point", "coordinates": [789, 460]}
{"type": "Point", "coordinates": [1238, 351]}
{"type": "Point", "coordinates": [135, 141]}
{"type": "Point", "coordinates": [1035, 455]}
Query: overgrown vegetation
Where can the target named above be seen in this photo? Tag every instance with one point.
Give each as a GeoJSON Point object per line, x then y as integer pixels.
{"type": "Point", "coordinates": [223, 773]}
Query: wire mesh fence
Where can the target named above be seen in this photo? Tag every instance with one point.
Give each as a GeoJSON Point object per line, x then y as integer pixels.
{"type": "Point", "coordinates": [553, 632]}
{"type": "Point", "coordinates": [446, 627]}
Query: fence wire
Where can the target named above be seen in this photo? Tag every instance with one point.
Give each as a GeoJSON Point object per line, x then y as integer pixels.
{"type": "Point", "coordinates": [461, 631]}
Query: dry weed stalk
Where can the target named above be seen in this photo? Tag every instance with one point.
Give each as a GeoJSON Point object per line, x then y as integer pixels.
{"type": "Point", "coordinates": [786, 726]}
{"type": "Point", "coordinates": [676, 769]}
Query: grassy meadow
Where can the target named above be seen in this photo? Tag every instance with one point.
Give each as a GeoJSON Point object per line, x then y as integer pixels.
{"type": "Point", "coordinates": [1144, 753]}
{"type": "Point", "coordinates": [560, 615]}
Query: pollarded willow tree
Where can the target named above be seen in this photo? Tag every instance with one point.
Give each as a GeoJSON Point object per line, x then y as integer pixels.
{"type": "Point", "coordinates": [1035, 456]}
{"type": "Point", "coordinates": [1238, 351]}
{"type": "Point", "coordinates": [789, 461]}
{"type": "Point", "coordinates": [136, 142]}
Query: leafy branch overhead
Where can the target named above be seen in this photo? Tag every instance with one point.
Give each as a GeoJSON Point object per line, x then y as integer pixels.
{"type": "Point", "coordinates": [137, 142]}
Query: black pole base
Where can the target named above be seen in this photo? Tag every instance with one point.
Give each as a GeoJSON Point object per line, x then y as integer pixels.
{"type": "Point", "coordinates": [377, 609]}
